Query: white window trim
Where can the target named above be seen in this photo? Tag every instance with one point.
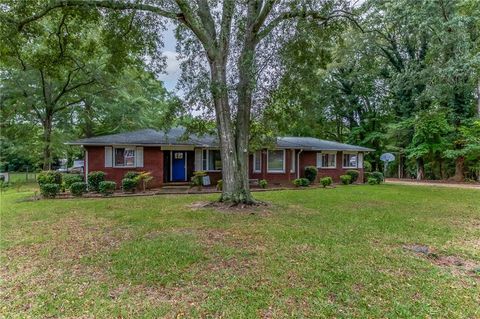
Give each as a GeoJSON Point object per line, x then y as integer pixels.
{"type": "Point", "coordinates": [114, 148]}
{"type": "Point", "coordinates": [254, 161]}
{"type": "Point", "coordinates": [276, 171]}
{"type": "Point", "coordinates": [329, 153]}
{"type": "Point", "coordinates": [350, 153]}
{"type": "Point", "coordinates": [208, 155]}
{"type": "Point", "coordinates": [293, 160]}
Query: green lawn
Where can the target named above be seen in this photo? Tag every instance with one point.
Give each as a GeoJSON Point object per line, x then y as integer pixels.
{"type": "Point", "coordinates": [313, 253]}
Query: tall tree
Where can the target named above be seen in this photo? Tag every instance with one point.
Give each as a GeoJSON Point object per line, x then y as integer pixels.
{"type": "Point", "coordinates": [227, 53]}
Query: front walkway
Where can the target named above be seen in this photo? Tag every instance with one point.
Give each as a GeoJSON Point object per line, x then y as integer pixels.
{"type": "Point", "coordinates": [431, 183]}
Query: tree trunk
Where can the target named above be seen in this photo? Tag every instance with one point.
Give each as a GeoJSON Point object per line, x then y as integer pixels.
{"type": "Point", "coordinates": [420, 169]}
{"type": "Point", "coordinates": [234, 164]}
{"type": "Point", "coordinates": [459, 169]}
{"type": "Point", "coordinates": [47, 140]}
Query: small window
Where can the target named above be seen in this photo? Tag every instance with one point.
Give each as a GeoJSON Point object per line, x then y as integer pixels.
{"type": "Point", "coordinates": [350, 160]}
{"type": "Point", "coordinates": [327, 160]}
{"type": "Point", "coordinates": [124, 157]}
{"type": "Point", "coordinates": [257, 162]}
{"type": "Point", "coordinates": [211, 160]}
{"type": "Point", "coordinates": [276, 161]}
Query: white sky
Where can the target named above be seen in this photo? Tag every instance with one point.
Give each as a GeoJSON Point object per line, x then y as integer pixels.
{"type": "Point", "coordinates": [173, 65]}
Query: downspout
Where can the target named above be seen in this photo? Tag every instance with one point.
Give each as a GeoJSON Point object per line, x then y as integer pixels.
{"type": "Point", "coordinates": [298, 163]}
{"type": "Point", "coordinates": [85, 165]}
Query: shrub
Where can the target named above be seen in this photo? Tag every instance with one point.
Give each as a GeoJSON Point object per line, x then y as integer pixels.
{"type": "Point", "coordinates": [49, 177]}
{"type": "Point", "coordinates": [94, 180]}
{"type": "Point", "coordinates": [367, 166]}
{"type": "Point", "coordinates": [263, 183]}
{"type": "Point", "coordinates": [219, 184]}
{"type": "Point", "coordinates": [3, 185]}
{"type": "Point", "coordinates": [311, 173]}
{"type": "Point", "coordinates": [107, 187]}
{"type": "Point", "coordinates": [131, 175]}
{"type": "Point", "coordinates": [303, 182]}
{"type": "Point", "coordinates": [377, 175]}
{"type": "Point", "coordinates": [69, 179]}
{"type": "Point", "coordinates": [144, 178]}
{"type": "Point", "coordinates": [372, 181]}
{"type": "Point", "coordinates": [346, 179]}
{"type": "Point", "coordinates": [197, 178]}
{"type": "Point", "coordinates": [78, 189]}
{"type": "Point", "coordinates": [353, 174]}
{"type": "Point", "coordinates": [49, 190]}
{"type": "Point", "coordinates": [326, 181]}
{"type": "Point", "coordinates": [129, 184]}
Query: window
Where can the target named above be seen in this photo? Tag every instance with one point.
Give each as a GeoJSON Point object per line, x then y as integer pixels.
{"type": "Point", "coordinates": [276, 161]}
{"type": "Point", "coordinates": [326, 160]}
{"type": "Point", "coordinates": [349, 160]}
{"type": "Point", "coordinates": [257, 162]}
{"type": "Point", "coordinates": [124, 157]}
{"type": "Point", "coordinates": [211, 160]}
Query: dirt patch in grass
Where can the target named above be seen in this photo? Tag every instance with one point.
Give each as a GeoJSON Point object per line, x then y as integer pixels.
{"type": "Point", "coordinates": [260, 208]}
{"type": "Point", "coordinates": [455, 264]}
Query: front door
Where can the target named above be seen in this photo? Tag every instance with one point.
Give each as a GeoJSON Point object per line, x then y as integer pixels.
{"type": "Point", "coordinates": [179, 165]}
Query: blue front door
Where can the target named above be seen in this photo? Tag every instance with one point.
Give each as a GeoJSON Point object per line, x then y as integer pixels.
{"type": "Point", "coordinates": [178, 167]}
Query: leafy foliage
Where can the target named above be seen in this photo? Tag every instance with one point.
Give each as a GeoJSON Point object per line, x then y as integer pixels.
{"type": "Point", "coordinates": [346, 179]}
{"type": "Point", "coordinates": [301, 182]}
{"type": "Point", "coordinates": [263, 183]}
{"type": "Point", "coordinates": [77, 189]}
{"type": "Point", "coordinates": [69, 179]}
{"type": "Point", "coordinates": [129, 184]}
{"type": "Point", "coordinates": [94, 180]}
{"type": "Point", "coordinates": [49, 190]}
{"type": "Point", "coordinates": [353, 175]}
{"type": "Point", "coordinates": [311, 173]}
{"type": "Point", "coordinates": [107, 188]}
{"type": "Point", "coordinates": [326, 181]}
{"type": "Point", "coordinates": [49, 177]}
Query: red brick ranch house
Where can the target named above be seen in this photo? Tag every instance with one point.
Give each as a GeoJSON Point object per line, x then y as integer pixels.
{"type": "Point", "coordinates": [172, 158]}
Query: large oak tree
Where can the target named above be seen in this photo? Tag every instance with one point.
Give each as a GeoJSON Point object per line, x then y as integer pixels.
{"type": "Point", "coordinates": [230, 34]}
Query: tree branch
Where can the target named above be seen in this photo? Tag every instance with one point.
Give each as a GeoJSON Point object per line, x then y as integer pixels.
{"type": "Point", "coordinates": [110, 4]}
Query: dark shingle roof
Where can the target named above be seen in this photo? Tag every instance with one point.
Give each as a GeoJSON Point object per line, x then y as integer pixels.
{"type": "Point", "coordinates": [176, 136]}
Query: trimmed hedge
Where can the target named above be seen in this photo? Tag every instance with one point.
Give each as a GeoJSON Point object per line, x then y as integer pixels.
{"type": "Point", "coordinates": [346, 179]}
{"type": "Point", "coordinates": [372, 181]}
{"type": "Point", "coordinates": [69, 179]}
{"type": "Point", "coordinates": [129, 184]}
{"type": "Point", "coordinates": [326, 181]}
{"type": "Point", "coordinates": [263, 183]}
{"type": "Point", "coordinates": [107, 187]}
{"type": "Point", "coordinates": [378, 176]}
{"type": "Point", "coordinates": [311, 173]}
{"type": "Point", "coordinates": [77, 189]}
{"type": "Point", "coordinates": [94, 180]}
{"type": "Point", "coordinates": [131, 175]}
{"type": "Point", "coordinates": [353, 174]}
{"type": "Point", "coordinates": [49, 177]}
{"type": "Point", "coordinates": [49, 190]}
{"type": "Point", "coordinates": [301, 182]}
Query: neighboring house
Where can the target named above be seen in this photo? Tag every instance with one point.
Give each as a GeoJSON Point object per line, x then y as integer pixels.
{"type": "Point", "coordinates": [172, 158]}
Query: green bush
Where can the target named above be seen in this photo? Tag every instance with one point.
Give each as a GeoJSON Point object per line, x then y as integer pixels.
{"type": "Point", "coordinates": [78, 188]}
{"type": "Point", "coordinates": [69, 179]}
{"type": "Point", "coordinates": [372, 181]}
{"type": "Point", "coordinates": [197, 178]}
{"type": "Point", "coordinates": [301, 182]}
{"type": "Point", "coordinates": [49, 177]}
{"type": "Point", "coordinates": [263, 183]}
{"type": "Point", "coordinates": [107, 187]}
{"type": "Point", "coordinates": [49, 190]}
{"type": "Point", "coordinates": [311, 173]}
{"type": "Point", "coordinates": [346, 179]}
{"type": "Point", "coordinates": [131, 175]}
{"type": "Point", "coordinates": [377, 175]}
{"type": "Point", "coordinates": [219, 184]}
{"type": "Point", "coordinates": [367, 166]}
{"type": "Point", "coordinates": [94, 180]}
{"type": "Point", "coordinates": [129, 184]}
{"type": "Point", "coordinates": [326, 181]}
{"type": "Point", "coordinates": [353, 174]}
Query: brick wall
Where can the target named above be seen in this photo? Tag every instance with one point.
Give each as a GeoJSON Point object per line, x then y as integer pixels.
{"type": "Point", "coordinates": [152, 162]}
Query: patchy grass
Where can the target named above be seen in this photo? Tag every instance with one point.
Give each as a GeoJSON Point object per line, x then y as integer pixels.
{"type": "Point", "coordinates": [314, 253]}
